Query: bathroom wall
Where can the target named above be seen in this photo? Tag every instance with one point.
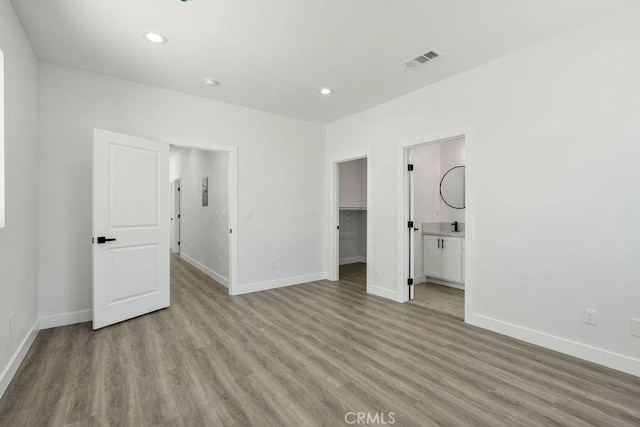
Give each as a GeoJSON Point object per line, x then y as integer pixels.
{"type": "Point", "coordinates": [452, 153]}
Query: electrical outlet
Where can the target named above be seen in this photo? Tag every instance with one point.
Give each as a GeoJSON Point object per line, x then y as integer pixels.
{"type": "Point", "coordinates": [249, 213]}
{"type": "Point", "coordinates": [272, 263]}
{"type": "Point", "coordinates": [635, 327]}
{"type": "Point", "coordinates": [376, 270]}
{"type": "Point", "coordinates": [590, 316]}
{"type": "Point", "coordinates": [312, 213]}
{"type": "Point", "coordinates": [11, 323]}
{"type": "Point", "coordinates": [220, 259]}
{"type": "Point", "coordinates": [224, 212]}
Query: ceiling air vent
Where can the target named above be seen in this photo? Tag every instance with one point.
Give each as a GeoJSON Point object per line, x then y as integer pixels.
{"type": "Point", "coordinates": [421, 59]}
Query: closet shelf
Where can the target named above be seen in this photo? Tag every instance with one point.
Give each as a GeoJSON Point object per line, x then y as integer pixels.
{"type": "Point", "coordinates": [343, 208]}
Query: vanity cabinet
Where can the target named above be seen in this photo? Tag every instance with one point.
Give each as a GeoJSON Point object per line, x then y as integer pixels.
{"type": "Point", "coordinates": [443, 258]}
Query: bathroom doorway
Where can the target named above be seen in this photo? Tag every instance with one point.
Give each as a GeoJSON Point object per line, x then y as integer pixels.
{"type": "Point", "coordinates": [436, 204]}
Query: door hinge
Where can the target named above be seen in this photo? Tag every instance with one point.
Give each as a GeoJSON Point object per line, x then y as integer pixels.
{"type": "Point", "coordinates": [178, 216]}
{"type": "Point", "coordinates": [178, 188]}
{"type": "Point", "coordinates": [410, 281]}
{"type": "Point", "coordinates": [410, 224]}
{"type": "Point", "coordinates": [230, 230]}
{"type": "Point", "coordinates": [178, 243]}
{"type": "Point", "coordinates": [410, 168]}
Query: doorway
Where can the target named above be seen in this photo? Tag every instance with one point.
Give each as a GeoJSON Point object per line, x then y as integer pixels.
{"type": "Point", "coordinates": [436, 237]}
{"type": "Point", "coordinates": [131, 216]}
{"type": "Point", "coordinates": [175, 215]}
{"type": "Point", "coordinates": [201, 210]}
{"type": "Point", "coordinates": [350, 238]}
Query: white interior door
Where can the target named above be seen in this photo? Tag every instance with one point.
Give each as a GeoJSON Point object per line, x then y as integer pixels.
{"type": "Point", "coordinates": [130, 227]}
{"type": "Point", "coordinates": [412, 229]}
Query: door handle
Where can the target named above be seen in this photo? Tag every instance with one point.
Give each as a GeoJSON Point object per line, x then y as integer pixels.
{"type": "Point", "coordinates": [103, 239]}
{"type": "Point", "coordinates": [438, 243]}
{"type": "Point", "coordinates": [442, 243]}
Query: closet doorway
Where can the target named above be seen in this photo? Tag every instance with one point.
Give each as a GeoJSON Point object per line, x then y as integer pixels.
{"type": "Point", "coordinates": [350, 239]}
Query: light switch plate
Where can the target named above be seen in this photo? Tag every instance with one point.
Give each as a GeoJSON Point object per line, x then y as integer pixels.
{"type": "Point", "coordinates": [635, 327]}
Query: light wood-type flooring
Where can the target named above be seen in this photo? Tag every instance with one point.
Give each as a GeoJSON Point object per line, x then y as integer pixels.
{"type": "Point", "coordinates": [304, 355]}
{"type": "Point", "coordinates": [442, 299]}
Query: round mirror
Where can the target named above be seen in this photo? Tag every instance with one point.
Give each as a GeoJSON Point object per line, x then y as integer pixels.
{"type": "Point", "coordinates": [452, 187]}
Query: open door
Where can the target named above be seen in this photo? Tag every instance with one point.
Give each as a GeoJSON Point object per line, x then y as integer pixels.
{"type": "Point", "coordinates": [130, 227]}
{"type": "Point", "coordinates": [412, 229]}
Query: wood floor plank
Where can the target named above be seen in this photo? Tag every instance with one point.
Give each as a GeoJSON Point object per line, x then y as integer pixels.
{"type": "Point", "coordinates": [304, 355]}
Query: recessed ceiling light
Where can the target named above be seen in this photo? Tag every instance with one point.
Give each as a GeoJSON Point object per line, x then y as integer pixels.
{"type": "Point", "coordinates": [155, 38]}
{"type": "Point", "coordinates": [211, 82]}
{"type": "Point", "coordinates": [326, 91]}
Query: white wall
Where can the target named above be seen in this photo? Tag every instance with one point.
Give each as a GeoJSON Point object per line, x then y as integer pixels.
{"type": "Point", "coordinates": [353, 224]}
{"type": "Point", "coordinates": [204, 234]}
{"type": "Point", "coordinates": [452, 154]}
{"type": "Point", "coordinates": [18, 240]}
{"type": "Point", "coordinates": [280, 177]}
{"type": "Point", "coordinates": [553, 145]}
{"type": "Point", "coordinates": [353, 183]}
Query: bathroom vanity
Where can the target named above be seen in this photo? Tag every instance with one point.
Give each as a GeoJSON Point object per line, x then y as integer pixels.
{"type": "Point", "coordinates": [443, 256]}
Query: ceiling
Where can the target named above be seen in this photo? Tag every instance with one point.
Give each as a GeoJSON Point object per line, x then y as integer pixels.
{"type": "Point", "coordinates": [274, 55]}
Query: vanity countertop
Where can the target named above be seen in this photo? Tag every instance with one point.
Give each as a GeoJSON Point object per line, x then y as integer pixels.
{"type": "Point", "coordinates": [443, 233]}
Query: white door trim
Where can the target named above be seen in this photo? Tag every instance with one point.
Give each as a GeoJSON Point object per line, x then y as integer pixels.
{"type": "Point", "coordinates": [403, 213]}
{"type": "Point", "coordinates": [233, 197]}
{"type": "Point", "coordinates": [334, 213]}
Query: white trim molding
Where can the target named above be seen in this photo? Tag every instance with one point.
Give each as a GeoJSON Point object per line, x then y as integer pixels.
{"type": "Point", "coordinates": [279, 283]}
{"type": "Point", "coordinates": [206, 270]}
{"type": "Point", "coordinates": [384, 293]}
{"type": "Point", "coordinates": [586, 352]}
{"type": "Point", "coordinates": [14, 363]}
{"type": "Point", "coordinates": [353, 260]}
{"type": "Point", "coordinates": [64, 319]}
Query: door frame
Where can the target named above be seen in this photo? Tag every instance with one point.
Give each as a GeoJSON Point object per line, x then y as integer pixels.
{"type": "Point", "coordinates": [232, 184]}
{"type": "Point", "coordinates": [176, 215]}
{"type": "Point", "coordinates": [403, 210]}
{"type": "Point", "coordinates": [334, 214]}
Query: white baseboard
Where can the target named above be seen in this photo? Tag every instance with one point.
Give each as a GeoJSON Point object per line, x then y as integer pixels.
{"type": "Point", "coordinates": [206, 270]}
{"type": "Point", "coordinates": [14, 363]}
{"type": "Point", "coordinates": [353, 260]}
{"type": "Point", "coordinates": [64, 319]}
{"type": "Point", "coordinates": [441, 282]}
{"type": "Point", "coordinates": [279, 283]}
{"type": "Point", "coordinates": [383, 292]}
{"type": "Point", "coordinates": [596, 355]}
{"type": "Point", "coordinates": [419, 278]}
